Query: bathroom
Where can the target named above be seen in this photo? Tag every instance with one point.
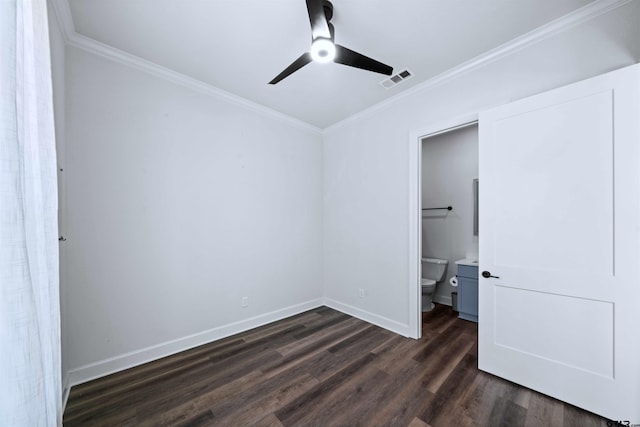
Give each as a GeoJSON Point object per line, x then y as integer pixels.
{"type": "Point", "coordinates": [449, 175]}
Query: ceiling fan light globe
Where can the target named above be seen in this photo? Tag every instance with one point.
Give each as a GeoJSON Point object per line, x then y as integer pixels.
{"type": "Point", "coordinates": [323, 50]}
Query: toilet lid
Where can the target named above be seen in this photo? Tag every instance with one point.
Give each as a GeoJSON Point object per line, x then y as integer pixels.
{"type": "Point", "coordinates": [427, 282]}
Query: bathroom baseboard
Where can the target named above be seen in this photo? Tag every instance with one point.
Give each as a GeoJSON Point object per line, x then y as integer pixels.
{"type": "Point", "coordinates": [128, 360]}
{"type": "Point", "coordinates": [441, 299]}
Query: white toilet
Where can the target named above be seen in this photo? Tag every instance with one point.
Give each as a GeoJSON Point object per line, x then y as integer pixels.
{"type": "Point", "coordinates": [433, 271]}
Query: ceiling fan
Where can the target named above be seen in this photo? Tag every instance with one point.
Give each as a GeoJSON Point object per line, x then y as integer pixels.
{"type": "Point", "coordinates": [323, 49]}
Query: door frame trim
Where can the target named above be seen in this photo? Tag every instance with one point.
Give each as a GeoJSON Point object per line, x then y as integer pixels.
{"type": "Point", "coordinates": [415, 213]}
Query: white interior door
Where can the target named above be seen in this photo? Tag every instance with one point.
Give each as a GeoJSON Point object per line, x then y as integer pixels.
{"type": "Point", "coordinates": [559, 227]}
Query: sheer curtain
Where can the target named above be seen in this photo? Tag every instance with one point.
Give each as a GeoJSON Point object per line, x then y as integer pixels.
{"type": "Point", "coordinates": [30, 378]}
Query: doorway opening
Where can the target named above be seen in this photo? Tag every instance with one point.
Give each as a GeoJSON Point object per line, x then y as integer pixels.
{"type": "Point", "coordinates": [443, 167]}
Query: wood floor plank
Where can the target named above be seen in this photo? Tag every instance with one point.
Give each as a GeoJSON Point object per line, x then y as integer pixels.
{"type": "Point", "coordinates": [153, 396]}
{"type": "Point", "coordinates": [269, 402]}
{"type": "Point", "coordinates": [117, 392]}
{"type": "Point", "coordinates": [455, 330]}
{"type": "Point", "coordinates": [395, 403]}
{"type": "Point", "coordinates": [321, 365]}
{"type": "Point", "coordinates": [544, 411]}
{"type": "Point", "coordinates": [308, 349]}
{"type": "Point", "coordinates": [263, 331]}
{"type": "Point", "coordinates": [447, 400]}
{"type": "Point", "coordinates": [479, 399]}
{"type": "Point", "coordinates": [444, 360]}
{"type": "Point", "coordinates": [575, 417]}
{"type": "Point", "coordinates": [403, 397]}
{"type": "Point", "coordinates": [337, 406]}
{"type": "Point", "coordinates": [270, 420]}
{"type": "Point", "coordinates": [439, 319]}
{"type": "Point", "coordinates": [263, 344]}
{"type": "Point", "coordinates": [301, 407]}
{"type": "Point", "coordinates": [201, 420]}
{"type": "Point", "coordinates": [356, 404]}
{"type": "Point", "coordinates": [323, 338]}
{"type": "Point", "coordinates": [505, 413]}
{"type": "Point", "coordinates": [149, 372]}
{"type": "Point", "coordinates": [178, 414]}
{"type": "Point", "coordinates": [323, 368]}
{"type": "Point", "coordinates": [192, 388]}
{"type": "Point", "coordinates": [417, 422]}
{"type": "Point", "coordinates": [321, 324]}
{"type": "Point", "coordinates": [269, 393]}
{"type": "Point", "coordinates": [523, 397]}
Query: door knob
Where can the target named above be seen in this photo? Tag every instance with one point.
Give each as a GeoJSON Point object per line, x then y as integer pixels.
{"type": "Point", "coordinates": [487, 274]}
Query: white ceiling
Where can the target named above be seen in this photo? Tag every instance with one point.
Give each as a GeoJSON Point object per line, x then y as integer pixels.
{"type": "Point", "coordinates": [240, 45]}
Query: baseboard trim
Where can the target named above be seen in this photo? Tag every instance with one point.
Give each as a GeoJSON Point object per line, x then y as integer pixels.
{"type": "Point", "coordinates": [442, 300]}
{"type": "Point", "coordinates": [129, 360]}
{"type": "Point", "coordinates": [367, 316]}
{"type": "Point", "coordinates": [66, 388]}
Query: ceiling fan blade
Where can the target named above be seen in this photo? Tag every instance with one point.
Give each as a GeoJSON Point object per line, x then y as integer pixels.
{"type": "Point", "coordinates": [354, 59]}
{"type": "Point", "coordinates": [319, 24]}
{"type": "Point", "coordinates": [303, 60]}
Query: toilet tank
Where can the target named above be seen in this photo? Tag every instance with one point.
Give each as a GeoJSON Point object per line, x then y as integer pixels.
{"type": "Point", "coordinates": [434, 268]}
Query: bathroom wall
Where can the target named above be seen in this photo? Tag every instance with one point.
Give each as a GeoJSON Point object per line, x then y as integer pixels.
{"type": "Point", "coordinates": [449, 165]}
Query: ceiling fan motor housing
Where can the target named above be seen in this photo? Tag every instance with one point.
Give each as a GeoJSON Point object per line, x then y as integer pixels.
{"type": "Point", "coordinates": [324, 49]}
{"type": "Point", "coordinates": [328, 9]}
{"type": "Point", "coordinates": [327, 6]}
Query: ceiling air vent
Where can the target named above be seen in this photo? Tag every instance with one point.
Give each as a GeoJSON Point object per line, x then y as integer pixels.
{"type": "Point", "coordinates": [396, 79]}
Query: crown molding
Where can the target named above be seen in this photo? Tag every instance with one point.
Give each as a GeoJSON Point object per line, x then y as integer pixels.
{"type": "Point", "coordinates": [72, 38]}
{"type": "Point", "coordinates": [90, 45]}
{"type": "Point", "coordinates": [564, 23]}
{"type": "Point", "coordinates": [577, 17]}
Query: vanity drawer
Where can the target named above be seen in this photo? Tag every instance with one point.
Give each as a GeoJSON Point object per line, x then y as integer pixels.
{"type": "Point", "coordinates": [468, 271]}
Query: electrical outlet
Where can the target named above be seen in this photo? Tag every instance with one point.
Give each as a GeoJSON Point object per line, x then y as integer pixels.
{"type": "Point", "coordinates": [245, 302]}
{"type": "Point", "coordinates": [361, 293]}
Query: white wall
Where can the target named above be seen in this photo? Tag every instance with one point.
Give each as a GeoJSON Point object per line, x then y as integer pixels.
{"type": "Point", "coordinates": [57, 44]}
{"type": "Point", "coordinates": [179, 204]}
{"type": "Point", "coordinates": [366, 203]}
{"type": "Point", "coordinates": [449, 166]}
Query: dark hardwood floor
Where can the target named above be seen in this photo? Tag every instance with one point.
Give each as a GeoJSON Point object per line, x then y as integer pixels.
{"type": "Point", "coordinates": [322, 368]}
